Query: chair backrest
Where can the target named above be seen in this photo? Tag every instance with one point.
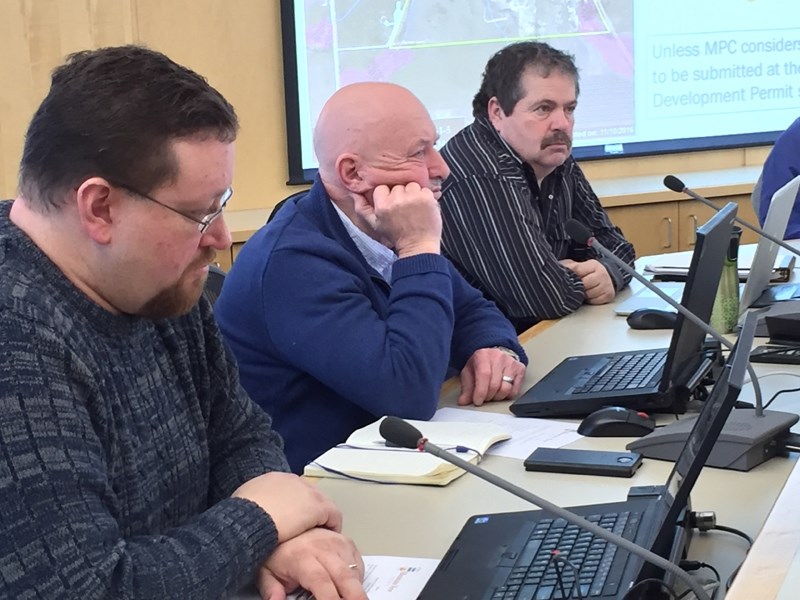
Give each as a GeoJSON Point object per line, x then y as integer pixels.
{"type": "Point", "coordinates": [214, 281]}
{"type": "Point", "coordinates": [284, 201]}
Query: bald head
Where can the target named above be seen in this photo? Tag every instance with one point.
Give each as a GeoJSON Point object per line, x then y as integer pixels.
{"type": "Point", "coordinates": [362, 119]}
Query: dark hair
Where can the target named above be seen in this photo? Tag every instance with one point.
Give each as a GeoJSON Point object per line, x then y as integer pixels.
{"type": "Point", "coordinates": [501, 77]}
{"type": "Point", "coordinates": [112, 113]}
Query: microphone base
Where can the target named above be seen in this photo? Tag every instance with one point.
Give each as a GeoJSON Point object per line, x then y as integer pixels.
{"type": "Point", "coordinates": [745, 442]}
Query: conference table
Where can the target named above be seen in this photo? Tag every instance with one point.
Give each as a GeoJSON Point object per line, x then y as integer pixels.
{"type": "Point", "coordinates": [422, 521]}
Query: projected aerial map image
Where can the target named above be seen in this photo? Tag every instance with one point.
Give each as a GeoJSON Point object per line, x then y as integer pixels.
{"type": "Point", "coordinates": [438, 48]}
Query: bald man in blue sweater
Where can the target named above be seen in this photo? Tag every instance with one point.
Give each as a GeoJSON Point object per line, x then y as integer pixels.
{"type": "Point", "coordinates": [343, 309]}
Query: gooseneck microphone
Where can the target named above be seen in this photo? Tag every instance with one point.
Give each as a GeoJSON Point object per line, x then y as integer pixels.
{"type": "Point", "coordinates": [397, 431]}
{"type": "Point", "coordinates": [759, 434]}
{"type": "Point", "coordinates": [676, 185]}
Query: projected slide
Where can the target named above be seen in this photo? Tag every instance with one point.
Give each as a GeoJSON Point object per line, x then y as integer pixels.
{"type": "Point", "coordinates": [648, 70]}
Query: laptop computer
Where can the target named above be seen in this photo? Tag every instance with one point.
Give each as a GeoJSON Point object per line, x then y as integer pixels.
{"type": "Point", "coordinates": [757, 291]}
{"type": "Point", "coordinates": [652, 380]}
{"type": "Point", "coordinates": [509, 555]}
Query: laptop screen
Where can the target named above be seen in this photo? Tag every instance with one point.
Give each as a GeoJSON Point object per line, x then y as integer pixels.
{"type": "Point", "coordinates": [704, 434]}
{"type": "Point", "coordinates": [686, 347]}
{"type": "Point", "coordinates": [764, 259]}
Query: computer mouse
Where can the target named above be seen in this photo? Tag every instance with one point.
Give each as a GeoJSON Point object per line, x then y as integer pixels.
{"type": "Point", "coordinates": [615, 421]}
{"type": "Point", "coordinates": [652, 318]}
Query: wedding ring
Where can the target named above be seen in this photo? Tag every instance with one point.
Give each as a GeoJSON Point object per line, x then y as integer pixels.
{"type": "Point", "coordinates": [508, 379]}
{"type": "Point", "coordinates": [352, 566]}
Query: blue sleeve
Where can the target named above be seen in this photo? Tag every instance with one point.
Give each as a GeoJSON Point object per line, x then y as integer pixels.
{"type": "Point", "coordinates": [321, 320]}
{"type": "Point", "coordinates": [782, 165]}
{"type": "Point", "coordinates": [479, 324]}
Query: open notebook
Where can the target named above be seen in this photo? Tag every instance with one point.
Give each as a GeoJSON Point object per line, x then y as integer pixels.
{"type": "Point", "coordinates": [365, 455]}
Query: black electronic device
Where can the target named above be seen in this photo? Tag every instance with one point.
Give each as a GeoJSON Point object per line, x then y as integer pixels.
{"type": "Point", "coordinates": [653, 380]}
{"type": "Point", "coordinates": [584, 462]}
{"type": "Point", "coordinates": [652, 318]}
{"type": "Point", "coordinates": [616, 421]}
{"type": "Point", "coordinates": [783, 329]}
{"type": "Point", "coordinates": [492, 548]}
{"type": "Point", "coordinates": [749, 437]}
{"type": "Point", "coordinates": [774, 354]}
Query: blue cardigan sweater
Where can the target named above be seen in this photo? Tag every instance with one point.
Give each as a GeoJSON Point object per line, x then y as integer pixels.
{"type": "Point", "coordinates": [782, 165]}
{"type": "Point", "coordinates": [326, 346]}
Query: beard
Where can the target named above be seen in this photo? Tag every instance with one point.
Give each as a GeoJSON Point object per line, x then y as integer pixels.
{"type": "Point", "coordinates": [182, 296]}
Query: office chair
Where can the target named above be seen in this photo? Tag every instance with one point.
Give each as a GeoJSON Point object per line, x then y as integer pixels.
{"type": "Point", "coordinates": [284, 201]}
{"type": "Point", "coordinates": [214, 281]}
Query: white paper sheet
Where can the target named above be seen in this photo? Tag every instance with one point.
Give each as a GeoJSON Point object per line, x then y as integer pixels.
{"type": "Point", "coordinates": [391, 577]}
{"type": "Point", "coordinates": [526, 434]}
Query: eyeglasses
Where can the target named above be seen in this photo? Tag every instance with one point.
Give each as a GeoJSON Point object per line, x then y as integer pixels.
{"type": "Point", "coordinates": [202, 223]}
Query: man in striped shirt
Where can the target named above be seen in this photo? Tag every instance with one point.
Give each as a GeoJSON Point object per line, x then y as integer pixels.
{"type": "Point", "coordinates": [514, 185]}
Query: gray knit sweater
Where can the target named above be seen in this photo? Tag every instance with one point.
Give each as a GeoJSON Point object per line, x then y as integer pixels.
{"type": "Point", "coordinates": [121, 440]}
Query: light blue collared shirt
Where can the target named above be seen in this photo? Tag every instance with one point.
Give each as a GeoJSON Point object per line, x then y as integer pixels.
{"type": "Point", "coordinates": [378, 256]}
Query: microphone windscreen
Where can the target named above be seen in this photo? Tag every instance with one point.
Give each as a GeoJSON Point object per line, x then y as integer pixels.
{"type": "Point", "coordinates": [673, 183]}
{"type": "Point", "coordinates": [396, 431]}
{"type": "Point", "coordinates": [578, 231]}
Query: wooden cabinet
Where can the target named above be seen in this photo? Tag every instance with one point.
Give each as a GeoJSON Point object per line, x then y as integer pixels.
{"type": "Point", "coordinates": [694, 213]}
{"type": "Point", "coordinates": [661, 227]}
{"type": "Point", "coordinates": [655, 219]}
{"type": "Point", "coordinates": [225, 259]}
{"type": "Point", "coordinates": [651, 228]}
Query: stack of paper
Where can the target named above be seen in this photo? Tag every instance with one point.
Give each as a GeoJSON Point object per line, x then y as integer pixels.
{"type": "Point", "coordinates": [365, 455]}
{"type": "Point", "coordinates": [665, 272]}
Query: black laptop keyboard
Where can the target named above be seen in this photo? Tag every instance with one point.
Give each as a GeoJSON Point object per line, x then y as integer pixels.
{"type": "Point", "coordinates": [782, 355]}
{"type": "Point", "coordinates": [583, 564]}
{"type": "Point", "coordinates": [623, 372]}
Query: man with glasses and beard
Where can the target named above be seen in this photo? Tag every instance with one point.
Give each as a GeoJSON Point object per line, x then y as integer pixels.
{"type": "Point", "coordinates": [514, 185]}
{"type": "Point", "coordinates": [133, 463]}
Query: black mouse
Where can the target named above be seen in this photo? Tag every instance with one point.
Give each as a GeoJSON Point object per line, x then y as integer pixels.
{"type": "Point", "coordinates": [615, 421]}
{"type": "Point", "coordinates": [652, 318]}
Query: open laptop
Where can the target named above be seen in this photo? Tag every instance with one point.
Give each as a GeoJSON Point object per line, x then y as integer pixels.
{"type": "Point", "coordinates": [652, 380]}
{"type": "Point", "coordinates": [757, 291]}
{"type": "Point", "coordinates": [508, 555]}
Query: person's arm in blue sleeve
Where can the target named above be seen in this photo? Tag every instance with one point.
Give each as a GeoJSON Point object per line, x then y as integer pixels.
{"type": "Point", "coordinates": [479, 324]}
{"type": "Point", "coordinates": [322, 322]}
{"type": "Point", "coordinates": [782, 165]}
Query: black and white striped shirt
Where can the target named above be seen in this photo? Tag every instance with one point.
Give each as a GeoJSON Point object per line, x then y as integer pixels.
{"type": "Point", "coordinates": [507, 236]}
